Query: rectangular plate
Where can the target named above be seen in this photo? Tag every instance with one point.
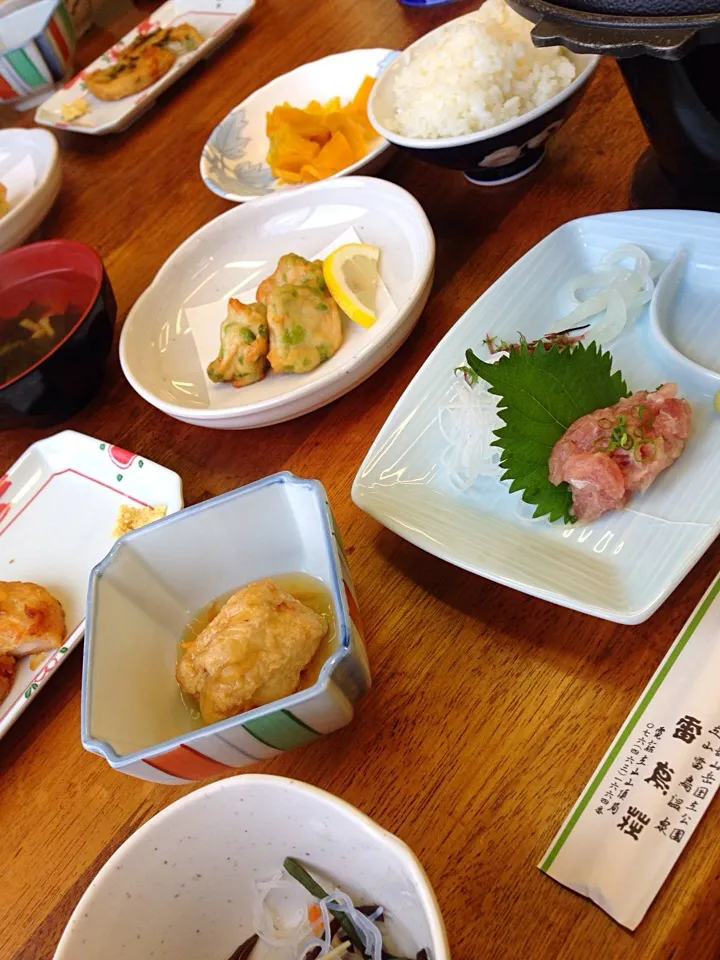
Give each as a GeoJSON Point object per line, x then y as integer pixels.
{"type": "Point", "coordinates": [625, 564]}
{"type": "Point", "coordinates": [215, 19]}
{"type": "Point", "coordinates": [58, 506]}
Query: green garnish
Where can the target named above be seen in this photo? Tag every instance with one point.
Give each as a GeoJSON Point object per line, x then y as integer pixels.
{"type": "Point", "coordinates": [321, 306]}
{"type": "Point", "coordinates": [247, 335]}
{"type": "Point", "coordinates": [323, 352]}
{"type": "Point", "coordinates": [293, 335]}
{"type": "Point", "coordinates": [299, 873]}
{"type": "Point", "coordinates": [543, 392]}
{"type": "Point", "coordinates": [263, 330]}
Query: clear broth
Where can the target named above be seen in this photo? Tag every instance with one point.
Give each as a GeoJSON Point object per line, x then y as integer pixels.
{"type": "Point", "coordinates": [308, 590]}
{"type": "Point", "coordinates": [35, 316]}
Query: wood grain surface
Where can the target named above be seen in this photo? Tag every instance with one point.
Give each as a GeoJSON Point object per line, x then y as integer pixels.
{"type": "Point", "coordinates": [490, 709]}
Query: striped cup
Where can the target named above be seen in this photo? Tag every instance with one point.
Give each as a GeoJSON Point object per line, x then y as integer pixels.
{"type": "Point", "coordinates": [37, 42]}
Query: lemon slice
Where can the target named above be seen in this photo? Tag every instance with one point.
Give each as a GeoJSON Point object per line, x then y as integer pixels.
{"type": "Point", "coordinates": [351, 275]}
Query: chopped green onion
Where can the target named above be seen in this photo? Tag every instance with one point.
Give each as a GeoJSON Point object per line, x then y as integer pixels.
{"type": "Point", "coordinates": [643, 457]}
{"type": "Point", "coordinates": [605, 445]}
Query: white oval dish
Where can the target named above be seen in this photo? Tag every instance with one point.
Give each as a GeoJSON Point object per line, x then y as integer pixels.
{"type": "Point", "coordinates": [30, 170]}
{"type": "Point", "coordinates": [180, 887]}
{"type": "Point", "coordinates": [230, 256]}
{"type": "Point", "coordinates": [232, 163]}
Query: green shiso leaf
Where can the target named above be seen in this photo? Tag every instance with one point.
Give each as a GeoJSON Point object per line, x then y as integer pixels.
{"type": "Point", "coordinates": [541, 394]}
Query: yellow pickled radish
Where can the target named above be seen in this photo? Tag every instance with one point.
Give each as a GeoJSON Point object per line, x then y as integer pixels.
{"type": "Point", "coordinates": [351, 275]}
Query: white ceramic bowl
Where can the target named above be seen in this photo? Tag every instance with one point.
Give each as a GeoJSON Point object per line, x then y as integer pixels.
{"type": "Point", "coordinates": [231, 254]}
{"type": "Point", "coordinates": [499, 155]}
{"type": "Point", "coordinates": [149, 587]}
{"type": "Point", "coordinates": [180, 887]}
{"type": "Point", "coordinates": [232, 163]}
{"type": "Point", "coordinates": [30, 170]}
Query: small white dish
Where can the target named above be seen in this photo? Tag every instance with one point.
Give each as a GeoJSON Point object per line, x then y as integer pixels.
{"type": "Point", "coordinates": [30, 171]}
{"type": "Point", "coordinates": [685, 308]}
{"type": "Point", "coordinates": [58, 506]}
{"type": "Point", "coordinates": [150, 586]}
{"type": "Point", "coordinates": [181, 887]}
{"type": "Point", "coordinates": [232, 163]}
{"type": "Point", "coordinates": [231, 255]}
{"type": "Point", "coordinates": [624, 565]}
{"type": "Point", "coordinates": [215, 19]}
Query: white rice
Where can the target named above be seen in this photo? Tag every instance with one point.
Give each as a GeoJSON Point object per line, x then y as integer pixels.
{"type": "Point", "coordinates": [481, 71]}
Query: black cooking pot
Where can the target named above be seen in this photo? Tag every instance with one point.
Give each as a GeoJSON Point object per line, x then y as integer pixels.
{"type": "Point", "coordinates": [669, 54]}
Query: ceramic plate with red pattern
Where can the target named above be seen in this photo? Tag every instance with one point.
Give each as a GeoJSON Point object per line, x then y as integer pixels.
{"type": "Point", "coordinates": [58, 507]}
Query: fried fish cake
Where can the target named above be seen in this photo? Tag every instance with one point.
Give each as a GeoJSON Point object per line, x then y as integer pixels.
{"type": "Point", "coordinates": [294, 269]}
{"type": "Point", "coordinates": [252, 653]}
{"type": "Point", "coordinates": [31, 619]}
{"type": "Point", "coordinates": [129, 75]}
{"type": "Point", "coordinates": [242, 359]}
{"type": "Point", "coordinates": [305, 328]}
{"type": "Point", "coordinates": [7, 674]}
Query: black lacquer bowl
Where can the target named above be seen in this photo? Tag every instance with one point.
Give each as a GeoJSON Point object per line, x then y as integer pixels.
{"type": "Point", "coordinates": [488, 157]}
{"type": "Point", "coordinates": [45, 284]}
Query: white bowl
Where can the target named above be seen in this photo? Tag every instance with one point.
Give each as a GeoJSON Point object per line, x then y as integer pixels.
{"type": "Point", "coordinates": [231, 254]}
{"type": "Point", "coordinates": [30, 170]}
{"type": "Point", "coordinates": [180, 887]}
{"type": "Point", "coordinates": [232, 163]}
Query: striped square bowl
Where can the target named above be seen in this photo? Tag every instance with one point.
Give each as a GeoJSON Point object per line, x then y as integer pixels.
{"type": "Point", "coordinates": [149, 587]}
{"type": "Point", "coordinates": [37, 42]}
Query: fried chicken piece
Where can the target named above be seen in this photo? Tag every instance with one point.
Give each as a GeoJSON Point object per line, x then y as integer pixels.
{"type": "Point", "coordinates": [305, 328]}
{"type": "Point", "coordinates": [130, 74]}
{"type": "Point", "coordinates": [243, 345]}
{"type": "Point", "coordinates": [252, 653]}
{"type": "Point", "coordinates": [31, 619]}
{"type": "Point", "coordinates": [7, 674]}
{"type": "Point", "coordinates": [292, 268]}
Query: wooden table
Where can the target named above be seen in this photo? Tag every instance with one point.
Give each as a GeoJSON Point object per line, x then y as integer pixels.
{"type": "Point", "coordinates": [490, 709]}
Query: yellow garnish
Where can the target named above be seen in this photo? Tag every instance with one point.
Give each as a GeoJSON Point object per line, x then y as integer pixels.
{"type": "Point", "coordinates": [351, 275]}
{"type": "Point", "coordinates": [74, 110]}
{"type": "Point", "coordinates": [320, 140]}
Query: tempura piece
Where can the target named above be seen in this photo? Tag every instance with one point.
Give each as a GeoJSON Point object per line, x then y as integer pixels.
{"type": "Point", "coordinates": [305, 328]}
{"type": "Point", "coordinates": [183, 35]}
{"type": "Point", "coordinates": [132, 518]}
{"type": "Point", "coordinates": [243, 345]}
{"type": "Point", "coordinates": [31, 619]}
{"type": "Point", "coordinates": [7, 674]}
{"type": "Point", "coordinates": [292, 268]}
{"type": "Point", "coordinates": [252, 653]}
{"type": "Point", "coordinates": [4, 205]}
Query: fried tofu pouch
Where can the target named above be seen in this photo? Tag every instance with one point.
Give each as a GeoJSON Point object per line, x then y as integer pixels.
{"type": "Point", "coordinates": [242, 359]}
{"type": "Point", "coordinates": [31, 619]}
{"type": "Point", "coordinates": [252, 653]}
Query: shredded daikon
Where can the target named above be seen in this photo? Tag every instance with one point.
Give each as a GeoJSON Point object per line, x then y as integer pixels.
{"type": "Point", "coordinates": [616, 293]}
{"type": "Point", "coordinates": [365, 928]}
{"type": "Point", "coordinates": [467, 422]}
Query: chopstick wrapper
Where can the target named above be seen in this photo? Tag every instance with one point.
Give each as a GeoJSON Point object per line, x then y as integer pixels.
{"type": "Point", "coordinates": [647, 796]}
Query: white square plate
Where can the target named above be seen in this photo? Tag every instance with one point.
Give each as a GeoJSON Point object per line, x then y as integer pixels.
{"type": "Point", "coordinates": [214, 19]}
{"type": "Point", "coordinates": [623, 566]}
{"type": "Point", "coordinates": [58, 507]}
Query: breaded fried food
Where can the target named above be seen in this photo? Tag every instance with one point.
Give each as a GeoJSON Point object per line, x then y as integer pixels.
{"type": "Point", "coordinates": [31, 619]}
{"type": "Point", "coordinates": [184, 36]}
{"type": "Point", "coordinates": [252, 653]}
{"type": "Point", "coordinates": [243, 345]}
{"type": "Point", "coordinates": [4, 205]}
{"type": "Point", "coordinates": [130, 74]}
{"type": "Point", "coordinates": [294, 269]}
{"type": "Point", "coordinates": [7, 674]}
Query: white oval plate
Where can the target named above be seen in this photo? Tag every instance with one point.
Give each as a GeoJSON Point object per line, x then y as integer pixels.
{"type": "Point", "coordinates": [30, 170]}
{"type": "Point", "coordinates": [622, 566]}
{"type": "Point", "coordinates": [230, 256]}
{"type": "Point", "coordinates": [232, 163]}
